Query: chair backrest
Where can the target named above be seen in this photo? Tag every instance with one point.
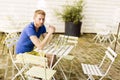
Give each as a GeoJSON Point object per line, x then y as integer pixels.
{"type": "Point", "coordinates": [103, 30]}
{"type": "Point", "coordinates": [64, 39]}
{"type": "Point", "coordinates": [101, 27]}
{"type": "Point", "coordinates": [10, 42]}
{"type": "Point", "coordinates": [11, 39]}
{"type": "Point", "coordinates": [108, 60]}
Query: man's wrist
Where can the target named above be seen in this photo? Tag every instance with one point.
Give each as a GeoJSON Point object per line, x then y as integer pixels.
{"type": "Point", "coordinates": [49, 33]}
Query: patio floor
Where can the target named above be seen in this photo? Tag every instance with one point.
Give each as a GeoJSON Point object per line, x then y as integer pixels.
{"type": "Point", "coordinates": [86, 51]}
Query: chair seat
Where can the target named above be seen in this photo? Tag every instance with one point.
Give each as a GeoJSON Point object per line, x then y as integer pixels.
{"type": "Point", "coordinates": [69, 57]}
{"type": "Point", "coordinates": [31, 59]}
{"type": "Point", "coordinates": [41, 73]}
{"type": "Point", "coordinates": [91, 69]}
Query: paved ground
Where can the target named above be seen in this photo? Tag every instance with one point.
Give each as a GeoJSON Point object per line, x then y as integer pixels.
{"type": "Point", "coordinates": [85, 52]}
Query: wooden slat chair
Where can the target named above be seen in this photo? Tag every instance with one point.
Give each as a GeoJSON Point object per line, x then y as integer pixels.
{"type": "Point", "coordinates": [38, 72]}
{"type": "Point", "coordinates": [39, 65]}
{"type": "Point", "coordinates": [10, 43]}
{"type": "Point", "coordinates": [114, 37]}
{"type": "Point", "coordinates": [4, 42]}
{"type": "Point", "coordinates": [5, 65]}
{"type": "Point", "coordinates": [104, 33]}
{"type": "Point", "coordinates": [64, 39]}
{"type": "Point", "coordinates": [102, 69]}
{"type": "Point", "coordinates": [68, 40]}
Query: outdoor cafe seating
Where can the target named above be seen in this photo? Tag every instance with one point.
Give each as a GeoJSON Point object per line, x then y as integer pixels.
{"type": "Point", "coordinates": [24, 61]}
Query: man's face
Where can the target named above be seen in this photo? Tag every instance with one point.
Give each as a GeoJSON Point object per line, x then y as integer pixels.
{"type": "Point", "coordinates": [39, 20]}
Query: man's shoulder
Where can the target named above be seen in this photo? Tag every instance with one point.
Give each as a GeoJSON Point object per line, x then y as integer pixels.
{"type": "Point", "coordinates": [30, 25]}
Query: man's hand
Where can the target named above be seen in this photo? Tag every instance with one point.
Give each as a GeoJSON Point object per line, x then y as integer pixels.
{"type": "Point", "coordinates": [51, 29]}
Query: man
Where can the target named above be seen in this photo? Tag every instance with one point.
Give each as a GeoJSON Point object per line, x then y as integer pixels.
{"type": "Point", "coordinates": [31, 33]}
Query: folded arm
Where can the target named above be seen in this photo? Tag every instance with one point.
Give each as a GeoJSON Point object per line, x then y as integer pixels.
{"type": "Point", "coordinates": [47, 36]}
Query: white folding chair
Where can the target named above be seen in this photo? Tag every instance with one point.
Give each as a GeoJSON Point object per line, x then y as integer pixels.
{"type": "Point", "coordinates": [7, 42]}
{"type": "Point", "coordinates": [10, 43]}
{"type": "Point", "coordinates": [103, 33]}
{"type": "Point", "coordinates": [114, 37]}
{"type": "Point", "coordinates": [36, 71]}
{"type": "Point", "coordinates": [64, 39]}
{"type": "Point", "coordinates": [102, 69]}
{"type": "Point", "coordinates": [68, 40]}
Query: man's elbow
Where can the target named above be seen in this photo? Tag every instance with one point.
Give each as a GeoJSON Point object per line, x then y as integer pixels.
{"type": "Point", "coordinates": [40, 47]}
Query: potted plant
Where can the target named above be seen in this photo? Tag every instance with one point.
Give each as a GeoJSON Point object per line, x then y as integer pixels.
{"type": "Point", "coordinates": [72, 16]}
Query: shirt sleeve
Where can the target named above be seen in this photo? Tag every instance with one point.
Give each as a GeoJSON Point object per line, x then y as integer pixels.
{"type": "Point", "coordinates": [30, 31]}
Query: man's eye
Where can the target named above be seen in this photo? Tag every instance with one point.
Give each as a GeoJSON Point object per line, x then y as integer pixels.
{"type": "Point", "coordinates": [41, 19]}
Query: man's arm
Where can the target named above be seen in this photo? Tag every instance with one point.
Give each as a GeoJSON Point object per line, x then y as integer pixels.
{"type": "Point", "coordinates": [43, 35]}
{"type": "Point", "coordinates": [40, 44]}
{"type": "Point", "coordinates": [50, 38]}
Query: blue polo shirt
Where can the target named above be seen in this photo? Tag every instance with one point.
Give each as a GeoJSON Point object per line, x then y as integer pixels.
{"type": "Point", "coordinates": [24, 43]}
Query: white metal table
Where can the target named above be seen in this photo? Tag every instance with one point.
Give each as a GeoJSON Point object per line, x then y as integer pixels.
{"type": "Point", "coordinates": [60, 51]}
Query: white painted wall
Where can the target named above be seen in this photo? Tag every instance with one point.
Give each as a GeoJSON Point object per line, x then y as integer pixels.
{"type": "Point", "coordinates": [100, 11]}
{"type": "Point", "coordinates": [13, 12]}
{"type": "Point", "coordinates": [16, 13]}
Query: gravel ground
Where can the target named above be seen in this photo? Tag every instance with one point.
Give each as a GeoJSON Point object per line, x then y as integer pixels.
{"type": "Point", "coordinates": [86, 51]}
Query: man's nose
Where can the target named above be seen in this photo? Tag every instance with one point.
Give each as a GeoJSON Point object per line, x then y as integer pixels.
{"type": "Point", "coordinates": [41, 21]}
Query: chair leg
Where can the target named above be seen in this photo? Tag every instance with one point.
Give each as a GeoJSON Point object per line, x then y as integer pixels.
{"type": "Point", "coordinates": [90, 77]}
{"type": "Point", "coordinates": [95, 37]}
{"type": "Point", "coordinates": [3, 49]}
{"type": "Point", "coordinates": [6, 70]}
{"type": "Point", "coordinates": [53, 78]}
{"type": "Point", "coordinates": [65, 78]}
{"type": "Point", "coordinates": [13, 70]}
{"type": "Point", "coordinates": [101, 78]}
{"type": "Point", "coordinates": [70, 70]}
{"type": "Point", "coordinates": [19, 72]}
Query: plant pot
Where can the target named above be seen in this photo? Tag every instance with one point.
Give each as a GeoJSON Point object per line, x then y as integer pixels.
{"type": "Point", "coordinates": [72, 29]}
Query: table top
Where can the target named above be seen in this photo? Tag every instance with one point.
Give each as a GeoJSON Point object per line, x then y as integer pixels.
{"type": "Point", "coordinates": [57, 50]}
